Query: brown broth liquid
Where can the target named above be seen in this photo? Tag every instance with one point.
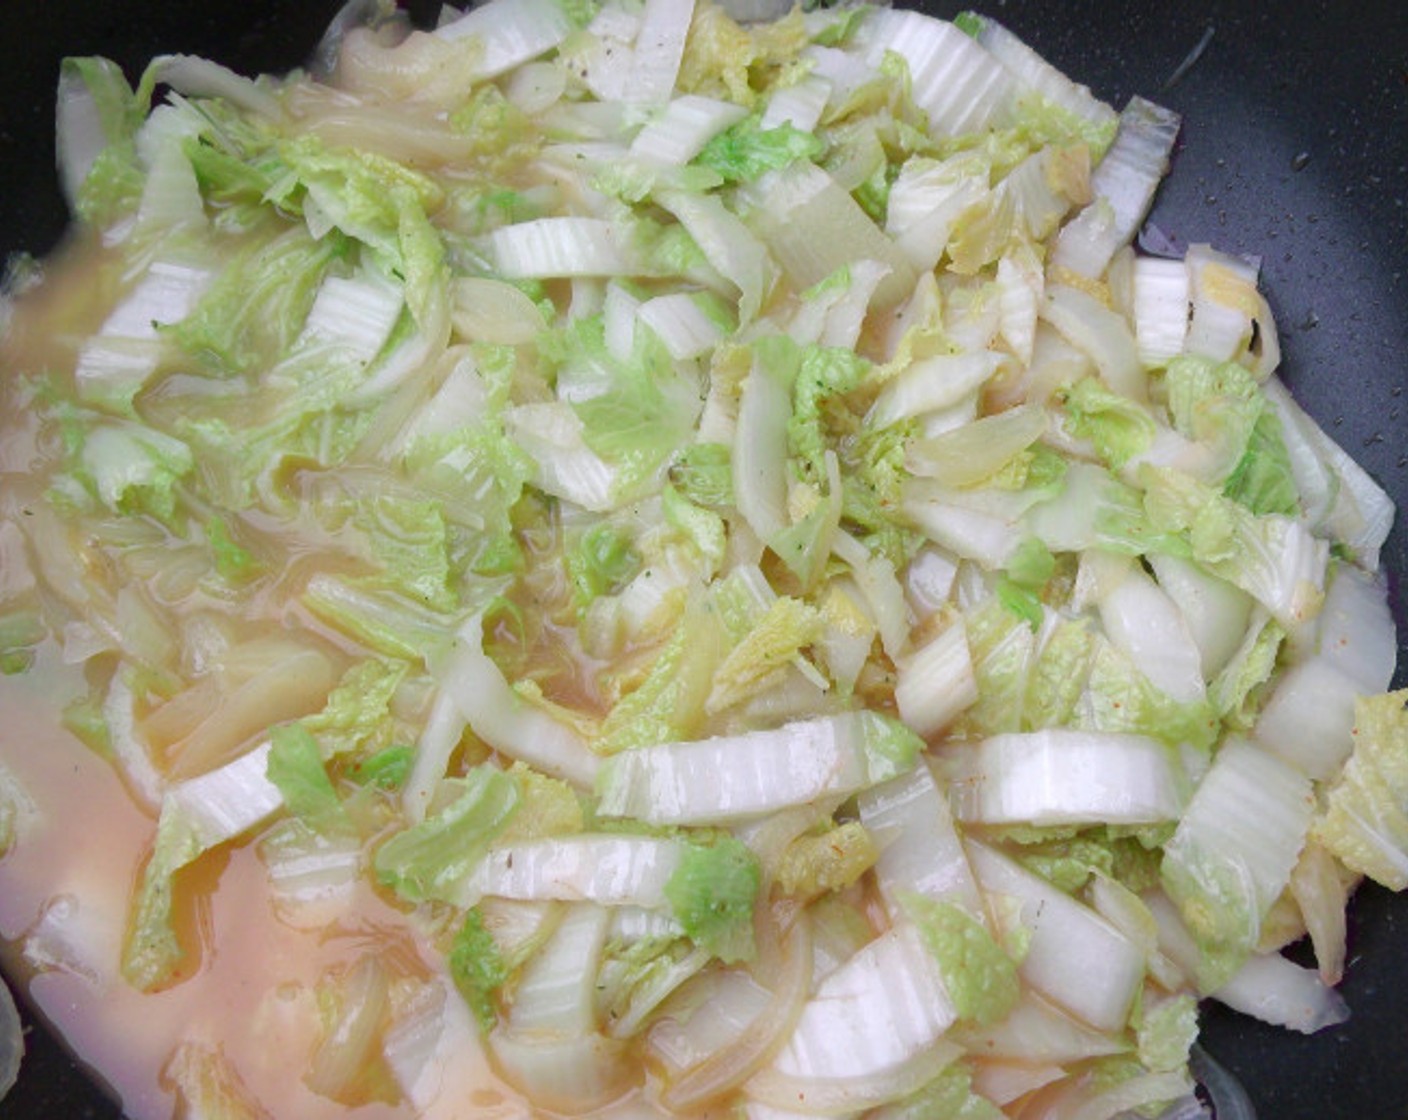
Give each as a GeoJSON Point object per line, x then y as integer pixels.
{"type": "Point", "coordinates": [249, 990]}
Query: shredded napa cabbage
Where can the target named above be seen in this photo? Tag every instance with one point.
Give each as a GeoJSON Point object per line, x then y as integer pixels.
{"type": "Point", "coordinates": [701, 519]}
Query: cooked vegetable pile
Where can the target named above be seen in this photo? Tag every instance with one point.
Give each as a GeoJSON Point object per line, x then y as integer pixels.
{"type": "Point", "coordinates": [713, 530]}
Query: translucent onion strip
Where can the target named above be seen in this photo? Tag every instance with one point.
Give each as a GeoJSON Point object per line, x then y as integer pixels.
{"type": "Point", "coordinates": [341, 1060]}
{"type": "Point", "coordinates": [727, 1068]}
{"type": "Point", "coordinates": [486, 310]}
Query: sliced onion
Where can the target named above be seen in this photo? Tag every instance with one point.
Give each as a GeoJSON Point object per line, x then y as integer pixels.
{"type": "Point", "coordinates": [287, 688]}
{"type": "Point", "coordinates": [971, 453]}
{"type": "Point", "coordinates": [352, 1040]}
{"type": "Point", "coordinates": [727, 1068]}
{"type": "Point", "coordinates": [493, 311]}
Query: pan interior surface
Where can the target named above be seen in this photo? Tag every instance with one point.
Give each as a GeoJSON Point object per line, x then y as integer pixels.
{"type": "Point", "coordinates": [1294, 149]}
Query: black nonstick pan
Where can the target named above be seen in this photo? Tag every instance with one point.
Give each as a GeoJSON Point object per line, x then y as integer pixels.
{"type": "Point", "coordinates": [1294, 148]}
